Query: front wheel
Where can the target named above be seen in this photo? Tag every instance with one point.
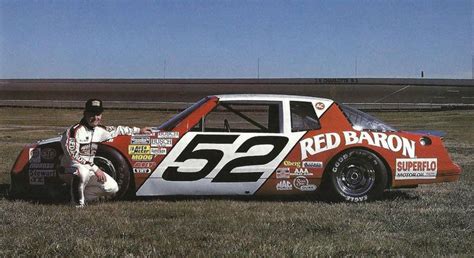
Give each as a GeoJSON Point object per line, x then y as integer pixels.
{"type": "Point", "coordinates": [357, 175]}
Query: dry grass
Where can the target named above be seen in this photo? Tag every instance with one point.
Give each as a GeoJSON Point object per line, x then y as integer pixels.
{"type": "Point", "coordinates": [429, 220]}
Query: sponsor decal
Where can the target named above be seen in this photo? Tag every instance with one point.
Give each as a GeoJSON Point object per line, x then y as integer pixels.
{"type": "Point", "coordinates": [143, 135]}
{"type": "Point", "coordinates": [48, 154]}
{"type": "Point", "coordinates": [72, 145]}
{"type": "Point", "coordinates": [312, 164]}
{"type": "Point", "coordinates": [301, 172]}
{"type": "Point", "coordinates": [319, 106]}
{"type": "Point", "coordinates": [284, 185]}
{"type": "Point", "coordinates": [161, 142]}
{"type": "Point", "coordinates": [37, 175]}
{"type": "Point", "coordinates": [142, 170]}
{"type": "Point", "coordinates": [292, 163]}
{"type": "Point", "coordinates": [139, 149]}
{"type": "Point", "coordinates": [168, 134]}
{"type": "Point", "coordinates": [42, 172]}
{"type": "Point", "coordinates": [143, 164]}
{"type": "Point", "coordinates": [35, 155]}
{"type": "Point", "coordinates": [328, 141]}
{"type": "Point", "coordinates": [416, 169]}
{"type": "Point", "coordinates": [140, 140]}
{"type": "Point", "coordinates": [283, 173]}
{"type": "Point", "coordinates": [158, 151]}
{"type": "Point", "coordinates": [42, 165]}
{"type": "Point", "coordinates": [142, 157]}
{"type": "Point", "coordinates": [302, 183]}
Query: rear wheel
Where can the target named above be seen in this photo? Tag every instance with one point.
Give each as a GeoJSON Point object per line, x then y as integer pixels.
{"type": "Point", "coordinates": [357, 175]}
{"type": "Point", "coordinates": [112, 163]}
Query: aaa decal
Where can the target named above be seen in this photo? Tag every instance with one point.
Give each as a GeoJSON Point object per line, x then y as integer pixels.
{"type": "Point", "coordinates": [328, 141]}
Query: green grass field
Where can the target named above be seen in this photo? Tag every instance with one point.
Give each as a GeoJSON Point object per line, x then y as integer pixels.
{"type": "Point", "coordinates": [428, 220]}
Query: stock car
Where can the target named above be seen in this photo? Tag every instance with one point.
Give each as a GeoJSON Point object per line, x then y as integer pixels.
{"type": "Point", "coordinates": [254, 145]}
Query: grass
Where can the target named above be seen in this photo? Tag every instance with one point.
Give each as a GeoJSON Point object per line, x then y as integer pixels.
{"type": "Point", "coordinates": [429, 220]}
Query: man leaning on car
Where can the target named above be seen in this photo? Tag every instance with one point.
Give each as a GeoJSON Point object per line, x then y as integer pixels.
{"type": "Point", "coordinates": [79, 143]}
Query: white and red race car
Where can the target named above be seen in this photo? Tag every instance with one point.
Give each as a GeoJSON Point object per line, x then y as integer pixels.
{"type": "Point", "coordinates": [254, 145]}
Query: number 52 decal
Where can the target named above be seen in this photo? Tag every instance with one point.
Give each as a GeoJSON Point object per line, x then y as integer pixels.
{"type": "Point", "coordinates": [213, 148]}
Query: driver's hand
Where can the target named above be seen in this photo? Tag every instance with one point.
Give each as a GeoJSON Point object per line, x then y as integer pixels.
{"type": "Point", "coordinates": [100, 176]}
{"type": "Point", "coordinates": [146, 130]}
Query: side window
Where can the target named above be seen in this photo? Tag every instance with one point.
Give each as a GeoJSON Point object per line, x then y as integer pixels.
{"type": "Point", "coordinates": [243, 117]}
{"type": "Point", "coordinates": [303, 116]}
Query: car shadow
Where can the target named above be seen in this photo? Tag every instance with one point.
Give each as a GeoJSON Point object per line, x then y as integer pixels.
{"type": "Point", "coordinates": [390, 195]}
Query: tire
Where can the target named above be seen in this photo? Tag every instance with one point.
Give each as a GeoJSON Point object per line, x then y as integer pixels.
{"type": "Point", "coordinates": [356, 175]}
{"type": "Point", "coordinates": [115, 165]}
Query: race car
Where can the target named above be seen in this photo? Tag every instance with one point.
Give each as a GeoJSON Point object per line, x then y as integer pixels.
{"type": "Point", "coordinates": [253, 145]}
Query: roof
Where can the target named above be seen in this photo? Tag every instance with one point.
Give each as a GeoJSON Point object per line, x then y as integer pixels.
{"type": "Point", "coordinates": [271, 97]}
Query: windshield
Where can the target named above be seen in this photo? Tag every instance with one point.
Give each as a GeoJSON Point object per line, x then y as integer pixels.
{"type": "Point", "coordinates": [362, 121]}
{"type": "Point", "coordinates": [173, 122]}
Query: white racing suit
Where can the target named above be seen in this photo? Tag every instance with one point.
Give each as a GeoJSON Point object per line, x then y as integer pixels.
{"type": "Point", "coordinates": [79, 143]}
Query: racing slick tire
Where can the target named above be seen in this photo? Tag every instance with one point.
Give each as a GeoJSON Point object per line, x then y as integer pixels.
{"type": "Point", "coordinates": [356, 175]}
{"type": "Point", "coordinates": [115, 165]}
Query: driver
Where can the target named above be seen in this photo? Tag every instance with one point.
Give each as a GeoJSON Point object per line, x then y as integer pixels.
{"type": "Point", "coordinates": [79, 143]}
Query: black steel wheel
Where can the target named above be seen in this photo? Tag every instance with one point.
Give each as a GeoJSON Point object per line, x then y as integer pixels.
{"type": "Point", "coordinates": [357, 175]}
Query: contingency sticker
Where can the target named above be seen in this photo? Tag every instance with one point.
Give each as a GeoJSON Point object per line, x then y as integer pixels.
{"type": "Point", "coordinates": [416, 169]}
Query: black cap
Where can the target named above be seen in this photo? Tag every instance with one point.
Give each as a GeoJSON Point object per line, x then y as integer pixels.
{"type": "Point", "coordinates": [94, 106]}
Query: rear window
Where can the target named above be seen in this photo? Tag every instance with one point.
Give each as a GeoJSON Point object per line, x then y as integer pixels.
{"type": "Point", "coordinates": [303, 117]}
{"type": "Point", "coordinates": [364, 121]}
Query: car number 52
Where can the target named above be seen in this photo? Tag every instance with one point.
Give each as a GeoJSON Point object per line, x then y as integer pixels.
{"type": "Point", "coordinates": [214, 156]}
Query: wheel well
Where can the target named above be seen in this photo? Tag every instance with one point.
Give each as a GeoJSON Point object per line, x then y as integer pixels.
{"type": "Point", "coordinates": [387, 167]}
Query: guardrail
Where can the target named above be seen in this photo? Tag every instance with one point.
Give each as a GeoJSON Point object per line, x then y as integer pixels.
{"type": "Point", "coordinates": [178, 106]}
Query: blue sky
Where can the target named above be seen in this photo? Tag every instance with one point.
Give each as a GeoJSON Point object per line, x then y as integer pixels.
{"type": "Point", "coordinates": [235, 39]}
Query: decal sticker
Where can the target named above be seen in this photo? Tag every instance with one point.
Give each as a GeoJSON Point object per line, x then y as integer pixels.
{"type": "Point", "coordinates": [320, 106]}
{"type": "Point", "coordinates": [139, 149]}
{"type": "Point", "coordinates": [416, 169]}
{"type": "Point", "coordinates": [301, 172]}
{"type": "Point", "coordinates": [284, 186]}
{"type": "Point", "coordinates": [302, 183]}
{"type": "Point", "coordinates": [283, 173]}
{"type": "Point", "coordinates": [158, 151]}
{"type": "Point", "coordinates": [143, 134]}
{"type": "Point", "coordinates": [72, 145]}
{"type": "Point", "coordinates": [140, 140]}
{"type": "Point", "coordinates": [161, 142]}
{"type": "Point", "coordinates": [142, 157]}
{"type": "Point", "coordinates": [168, 134]}
{"type": "Point", "coordinates": [48, 154]}
{"type": "Point", "coordinates": [37, 175]}
{"type": "Point", "coordinates": [35, 155]}
{"type": "Point", "coordinates": [142, 170]}
{"type": "Point", "coordinates": [42, 165]}
{"type": "Point", "coordinates": [312, 164]}
{"type": "Point", "coordinates": [292, 163]}
{"type": "Point", "coordinates": [328, 141]}
{"type": "Point", "coordinates": [144, 164]}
